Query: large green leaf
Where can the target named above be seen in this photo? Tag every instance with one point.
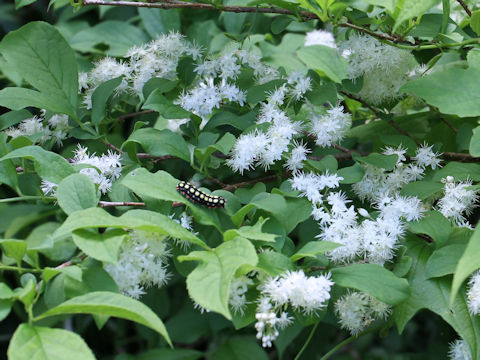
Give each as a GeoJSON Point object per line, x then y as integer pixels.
{"type": "Point", "coordinates": [119, 36]}
{"type": "Point", "coordinates": [46, 61]}
{"type": "Point", "coordinates": [50, 166]}
{"type": "Point", "coordinates": [325, 60]}
{"type": "Point", "coordinates": [434, 294]}
{"type": "Point", "coordinates": [76, 192]}
{"type": "Point", "coordinates": [111, 304]}
{"type": "Point", "coordinates": [41, 343]}
{"type": "Point", "coordinates": [100, 97]}
{"type": "Point", "coordinates": [468, 263]}
{"type": "Point", "coordinates": [453, 91]}
{"type": "Point", "coordinates": [103, 247]}
{"type": "Point", "coordinates": [444, 261]}
{"type": "Point", "coordinates": [387, 287]}
{"type": "Point", "coordinates": [159, 21]}
{"type": "Point", "coordinates": [133, 219]}
{"type": "Point", "coordinates": [160, 143]}
{"type": "Point", "coordinates": [433, 224]}
{"type": "Point", "coordinates": [209, 283]}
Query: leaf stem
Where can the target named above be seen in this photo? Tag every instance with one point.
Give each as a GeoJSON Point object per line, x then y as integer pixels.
{"type": "Point", "coordinates": [19, 269]}
{"type": "Point", "coordinates": [349, 340]}
{"type": "Point", "coordinates": [307, 342]}
{"type": "Point", "coordinates": [28, 197]}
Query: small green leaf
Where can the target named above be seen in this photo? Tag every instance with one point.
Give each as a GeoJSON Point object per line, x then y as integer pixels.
{"type": "Point", "coordinates": [412, 8]}
{"type": "Point", "coordinates": [314, 248]}
{"type": "Point", "coordinates": [160, 143]}
{"type": "Point", "coordinates": [422, 189]}
{"type": "Point", "coordinates": [50, 166]}
{"type": "Point", "coordinates": [250, 232]}
{"type": "Point", "coordinates": [433, 224]}
{"type": "Point", "coordinates": [5, 308]}
{"type": "Point", "coordinates": [237, 349]}
{"type": "Point", "coordinates": [76, 192]}
{"type": "Point", "coordinates": [209, 283]}
{"type": "Point", "coordinates": [100, 97]}
{"type": "Point", "coordinates": [5, 292]}
{"type": "Point", "coordinates": [475, 140]}
{"type": "Point", "coordinates": [444, 261]}
{"type": "Point", "coordinates": [387, 287]}
{"type": "Point", "coordinates": [157, 102]}
{"type": "Point", "coordinates": [386, 162]}
{"type": "Point", "coordinates": [41, 343]}
{"type": "Point", "coordinates": [274, 263]}
{"type": "Point", "coordinates": [103, 247]}
{"type": "Point", "coordinates": [159, 21]}
{"type": "Point", "coordinates": [468, 263]}
{"type": "Point", "coordinates": [324, 60]}
{"type": "Point", "coordinates": [475, 21]}
{"type": "Point", "coordinates": [351, 174]}
{"type": "Point", "coordinates": [14, 248]}
{"type": "Point", "coordinates": [111, 304]}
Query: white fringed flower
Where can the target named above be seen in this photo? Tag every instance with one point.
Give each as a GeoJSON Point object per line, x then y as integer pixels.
{"type": "Point", "coordinates": [459, 350]}
{"type": "Point", "coordinates": [320, 37]}
{"type": "Point", "coordinates": [330, 127]}
{"type": "Point", "coordinates": [473, 294]}
{"type": "Point", "coordinates": [458, 201]}
{"type": "Point", "coordinates": [237, 298]}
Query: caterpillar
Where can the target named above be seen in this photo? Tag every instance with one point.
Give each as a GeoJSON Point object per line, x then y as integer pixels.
{"type": "Point", "coordinates": [199, 197]}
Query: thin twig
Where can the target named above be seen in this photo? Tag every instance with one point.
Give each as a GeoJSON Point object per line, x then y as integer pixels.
{"type": "Point", "coordinates": [400, 130]}
{"type": "Point", "coordinates": [254, 181]}
{"type": "Point", "coordinates": [119, 203]}
{"type": "Point", "coordinates": [454, 129]}
{"type": "Point", "coordinates": [113, 147]}
{"type": "Point", "coordinates": [305, 15]}
{"type": "Point", "coordinates": [460, 157]}
{"type": "Point", "coordinates": [465, 7]}
{"type": "Point", "coordinates": [361, 101]}
{"type": "Point", "coordinates": [341, 148]}
{"type": "Point", "coordinates": [70, 262]}
{"type": "Point", "coordinates": [128, 116]}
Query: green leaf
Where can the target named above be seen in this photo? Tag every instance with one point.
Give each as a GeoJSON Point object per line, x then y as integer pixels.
{"type": "Point", "coordinates": [5, 292]}
{"type": "Point", "coordinates": [209, 283]}
{"type": "Point", "coordinates": [453, 91]}
{"type": "Point", "coordinates": [433, 294]}
{"type": "Point", "coordinates": [21, 3]}
{"type": "Point", "coordinates": [159, 21]}
{"type": "Point", "coordinates": [444, 261]}
{"type": "Point", "coordinates": [274, 263]}
{"type": "Point", "coordinates": [100, 97]}
{"type": "Point", "coordinates": [50, 166]}
{"type": "Point", "coordinates": [475, 21]}
{"type": "Point", "coordinates": [258, 93]}
{"type": "Point", "coordinates": [474, 148]}
{"type": "Point", "coordinates": [76, 192]}
{"type": "Point", "coordinates": [314, 248]}
{"type": "Point", "coordinates": [46, 61]}
{"type": "Point", "coordinates": [5, 308]}
{"type": "Point", "coordinates": [388, 4]}
{"type": "Point", "coordinates": [251, 232]}
{"type": "Point", "coordinates": [12, 118]}
{"type": "Point", "coordinates": [468, 263]}
{"type": "Point", "coordinates": [157, 102]}
{"type": "Point", "coordinates": [433, 224]}
{"type": "Point", "coordinates": [103, 247]}
{"type": "Point", "coordinates": [460, 171]}
{"type": "Point", "coordinates": [119, 36]}
{"type": "Point", "coordinates": [324, 60]}
{"type": "Point", "coordinates": [111, 304]}
{"type": "Point", "coordinates": [386, 162]}
{"type": "Point", "coordinates": [413, 8]}
{"type": "Point", "coordinates": [387, 287]}
{"type": "Point", "coordinates": [41, 343]}
{"type": "Point", "coordinates": [133, 219]}
{"type": "Point", "coordinates": [239, 349]}
{"type": "Point", "coordinates": [422, 189]}
{"type": "Point", "coordinates": [351, 174]}
{"type": "Point", "coordinates": [160, 143]}
{"type": "Point", "coordinates": [14, 248]}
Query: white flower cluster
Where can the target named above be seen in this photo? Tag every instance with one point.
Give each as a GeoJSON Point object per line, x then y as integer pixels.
{"type": "Point", "coordinates": [473, 294]}
{"type": "Point", "coordinates": [55, 128]}
{"type": "Point", "coordinates": [293, 288]}
{"type": "Point", "coordinates": [263, 149]}
{"type": "Point", "coordinates": [330, 127]}
{"type": "Point", "coordinates": [357, 310]}
{"type": "Point", "coordinates": [320, 37]}
{"type": "Point", "coordinates": [384, 68]}
{"type": "Point", "coordinates": [141, 263]}
{"type": "Point", "coordinates": [459, 350]}
{"type": "Point", "coordinates": [103, 170]}
{"type": "Point", "coordinates": [378, 183]}
{"type": "Point", "coordinates": [186, 222]}
{"type": "Point", "coordinates": [157, 59]}
{"type": "Point", "coordinates": [311, 185]}
{"type": "Point", "coordinates": [458, 200]}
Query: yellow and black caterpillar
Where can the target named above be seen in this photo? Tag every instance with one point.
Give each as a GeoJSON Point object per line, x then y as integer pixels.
{"type": "Point", "coordinates": [198, 196]}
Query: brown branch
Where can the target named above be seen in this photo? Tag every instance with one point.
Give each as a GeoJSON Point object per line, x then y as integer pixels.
{"type": "Point", "coordinates": [113, 147]}
{"type": "Point", "coordinates": [305, 15]}
{"type": "Point", "coordinates": [460, 157]}
{"type": "Point", "coordinates": [119, 203]}
{"type": "Point", "coordinates": [71, 262]}
{"type": "Point", "coordinates": [465, 7]}
{"type": "Point", "coordinates": [453, 128]}
{"type": "Point", "coordinates": [254, 181]}
{"type": "Point", "coordinates": [128, 116]}
{"type": "Point", "coordinates": [361, 101]}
